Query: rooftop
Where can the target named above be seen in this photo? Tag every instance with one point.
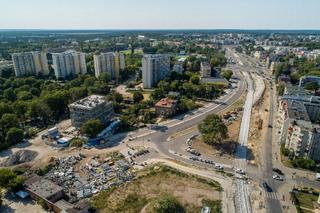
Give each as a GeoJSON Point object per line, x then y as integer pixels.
{"type": "Point", "coordinates": [89, 102]}
{"type": "Point", "coordinates": [297, 110]}
{"type": "Point", "coordinates": [166, 102]}
{"type": "Point", "coordinates": [42, 187]}
{"type": "Point", "coordinates": [215, 80]}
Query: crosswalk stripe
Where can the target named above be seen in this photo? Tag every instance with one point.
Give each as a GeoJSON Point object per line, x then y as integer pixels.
{"type": "Point", "coordinates": [271, 195]}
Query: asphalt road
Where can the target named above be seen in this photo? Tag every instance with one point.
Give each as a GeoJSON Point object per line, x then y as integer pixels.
{"type": "Point", "coordinates": [272, 205]}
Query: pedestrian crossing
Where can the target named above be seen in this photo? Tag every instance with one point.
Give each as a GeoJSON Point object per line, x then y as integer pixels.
{"type": "Point", "coordinates": [271, 195]}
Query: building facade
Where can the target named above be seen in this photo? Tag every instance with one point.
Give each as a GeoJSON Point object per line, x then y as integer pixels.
{"type": "Point", "coordinates": [308, 79]}
{"type": "Point", "coordinates": [91, 107]}
{"type": "Point", "coordinates": [30, 63]}
{"type": "Point", "coordinates": [154, 68]}
{"type": "Point", "coordinates": [69, 64]}
{"type": "Point", "coordinates": [166, 107]}
{"type": "Point", "coordinates": [205, 70]}
{"type": "Point", "coordinates": [111, 63]}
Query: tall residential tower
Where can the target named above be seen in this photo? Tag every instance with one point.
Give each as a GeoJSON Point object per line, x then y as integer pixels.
{"type": "Point", "coordinates": [69, 63]}
{"type": "Point", "coordinates": [154, 68]}
{"type": "Point", "coordinates": [111, 63]}
{"type": "Point", "coordinates": [30, 63]}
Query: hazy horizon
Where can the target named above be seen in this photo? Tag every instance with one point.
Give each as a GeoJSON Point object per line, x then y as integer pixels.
{"type": "Point", "coordinates": [158, 15]}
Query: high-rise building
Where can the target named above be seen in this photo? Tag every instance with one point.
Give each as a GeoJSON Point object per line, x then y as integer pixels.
{"type": "Point", "coordinates": [111, 63]}
{"type": "Point", "coordinates": [205, 70]}
{"type": "Point", "coordinates": [154, 68]}
{"type": "Point", "coordinates": [69, 64]}
{"type": "Point", "coordinates": [30, 63]}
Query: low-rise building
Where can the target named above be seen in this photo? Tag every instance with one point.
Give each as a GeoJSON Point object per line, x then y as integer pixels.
{"type": "Point", "coordinates": [303, 139]}
{"type": "Point", "coordinates": [304, 80]}
{"type": "Point", "coordinates": [166, 107]}
{"type": "Point", "coordinates": [300, 134]}
{"type": "Point", "coordinates": [218, 82]}
{"type": "Point", "coordinates": [42, 189]}
{"type": "Point", "coordinates": [91, 107]}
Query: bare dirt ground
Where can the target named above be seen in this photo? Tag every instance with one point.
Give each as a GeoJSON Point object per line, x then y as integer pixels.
{"type": "Point", "coordinates": [226, 149]}
{"type": "Point", "coordinates": [256, 135]}
{"type": "Point", "coordinates": [20, 206]}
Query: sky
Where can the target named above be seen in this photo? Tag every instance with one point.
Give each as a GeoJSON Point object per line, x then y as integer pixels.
{"type": "Point", "coordinates": [159, 14]}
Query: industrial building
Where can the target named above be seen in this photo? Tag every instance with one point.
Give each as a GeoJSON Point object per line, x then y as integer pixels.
{"type": "Point", "coordinates": [91, 107]}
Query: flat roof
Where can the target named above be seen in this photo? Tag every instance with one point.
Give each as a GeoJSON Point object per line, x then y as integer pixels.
{"type": "Point", "coordinates": [89, 102]}
{"type": "Point", "coordinates": [166, 102]}
{"type": "Point", "coordinates": [297, 110]}
{"type": "Point", "coordinates": [42, 187]}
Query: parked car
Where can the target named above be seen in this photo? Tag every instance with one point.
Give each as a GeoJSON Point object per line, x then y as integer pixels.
{"type": "Point", "coordinates": [219, 166]}
{"type": "Point", "coordinates": [277, 177]}
{"type": "Point", "coordinates": [240, 171]}
{"type": "Point", "coordinates": [278, 171]}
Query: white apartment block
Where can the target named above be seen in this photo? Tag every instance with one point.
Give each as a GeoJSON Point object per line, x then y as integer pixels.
{"type": "Point", "coordinates": [69, 63]}
{"type": "Point", "coordinates": [111, 63]}
{"type": "Point", "coordinates": [30, 63]}
{"type": "Point", "coordinates": [154, 68]}
{"type": "Point", "coordinates": [205, 70]}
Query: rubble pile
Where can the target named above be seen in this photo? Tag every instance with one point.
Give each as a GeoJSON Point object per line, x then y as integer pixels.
{"type": "Point", "coordinates": [92, 177]}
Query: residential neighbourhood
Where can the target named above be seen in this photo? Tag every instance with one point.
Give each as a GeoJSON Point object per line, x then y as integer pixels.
{"type": "Point", "coordinates": [160, 118]}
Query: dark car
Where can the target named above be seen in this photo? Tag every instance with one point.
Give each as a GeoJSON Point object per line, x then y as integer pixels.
{"type": "Point", "coordinates": [266, 187]}
{"type": "Point", "coordinates": [270, 126]}
{"type": "Point", "coordinates": [278, 171]}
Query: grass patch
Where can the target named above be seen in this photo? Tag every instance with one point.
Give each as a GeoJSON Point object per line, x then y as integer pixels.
{"type": "Point", "coordinates": [304, 199]}
{"type": "Point", "coordinates": [151, 183]}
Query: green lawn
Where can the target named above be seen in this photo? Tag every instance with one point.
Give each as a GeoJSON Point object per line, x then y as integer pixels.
{"type": "Point", "coordinates": [305, 200]}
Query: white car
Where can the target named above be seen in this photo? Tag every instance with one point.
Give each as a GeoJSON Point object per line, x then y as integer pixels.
{"type": "Point", "coordinates": [219, 166]}
{"type": "Point", "coordinates": [240, 171]}
{"type": "Point", "coordinates": [277, 177]}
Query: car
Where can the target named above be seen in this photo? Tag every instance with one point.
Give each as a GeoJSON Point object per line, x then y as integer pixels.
{"type": "Point", "coordinates": [270, 126]}
{"type": "Point", "coordinates": [277, 171]}
{"type": "Point", "coordinates": [219, 166]}
{"type": "Point", "coordinates": [277, 177]}
{"type": "Point", "coordinates": [240, 171]}
{"type": "Point", "coordinates": [266, 187]}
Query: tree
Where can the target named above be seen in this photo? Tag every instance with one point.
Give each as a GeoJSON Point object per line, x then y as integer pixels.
{"type": "Point", "coordinates": [10, 180]}
{"type": "Point", "coordinates": [213, 129]}
{"type": "Point", "coordinates": [8, 121]}
{"type": "Point", "coordinates": [14, 136]}
{"type": "Point", "coordinates": [312, 86]}
{"type": "Point", "coordinates": [137, 96]}
{"type": "Point", "coordinates": [104, 77]}
{"type": "Point", "coordinates": [227, 74]}
{"type": "Point", "coordinates": [77, 93]}
{"type": "Point", "coordinates": [117, 97]}
{"type": "Point", "coordinates": [9, 94]}
{"type": "Point", "coordinates": [166, 204]}
{"type": "Point", "coordinates": [76, 142]}
{"type": "Point", "coordinates": [195, 79]}
{"type": "Point", "coordinates": [91, 128]}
